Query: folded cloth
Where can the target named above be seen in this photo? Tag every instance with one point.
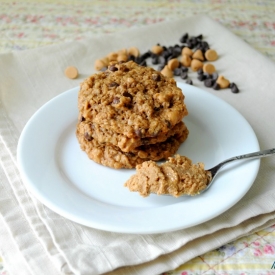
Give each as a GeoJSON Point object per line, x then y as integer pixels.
{"type": "Point", "coordinates": [43, 242]}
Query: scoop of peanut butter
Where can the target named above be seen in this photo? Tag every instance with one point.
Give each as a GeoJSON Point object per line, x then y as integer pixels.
{"type": "Point", "coordinates": [176, 177]}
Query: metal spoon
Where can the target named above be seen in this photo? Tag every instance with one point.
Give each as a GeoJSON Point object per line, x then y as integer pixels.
{"type": "Point", "coordinates": [260, 154]}
{"type": "Point", "coordinates": [214, 171]}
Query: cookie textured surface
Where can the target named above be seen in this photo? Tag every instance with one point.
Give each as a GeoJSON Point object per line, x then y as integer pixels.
{"type": "Point", "coordinates": [110, 155]}
{"type": "Point", "coordinates": [126, 144]}
{"type": "Point", "coordinates": [132, 100]}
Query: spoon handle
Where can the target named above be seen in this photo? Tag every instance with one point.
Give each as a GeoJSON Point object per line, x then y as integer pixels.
{"type": "Point", "coordinates": [259, 154]}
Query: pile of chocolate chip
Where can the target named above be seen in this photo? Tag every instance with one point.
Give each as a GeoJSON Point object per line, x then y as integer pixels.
{"type": "Point", "coordinates": [192, 52]}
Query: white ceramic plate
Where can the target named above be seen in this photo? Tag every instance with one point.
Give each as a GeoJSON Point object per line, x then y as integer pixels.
{"type": "Point", "coordinates": [62, 177]}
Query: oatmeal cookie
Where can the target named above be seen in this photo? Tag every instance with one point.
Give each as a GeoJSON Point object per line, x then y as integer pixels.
{"type": "Point", "coordinates": [112, 156]}
{"type": "Point", "coordinates": [132, 100]}
{"type": "Point", "coordinates": [125, 144]}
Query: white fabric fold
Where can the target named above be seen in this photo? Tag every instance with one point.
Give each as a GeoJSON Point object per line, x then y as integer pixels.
{"type": "Point", "coordinates": [42, 241]}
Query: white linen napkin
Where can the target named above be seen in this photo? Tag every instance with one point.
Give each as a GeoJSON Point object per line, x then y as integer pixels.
{"type": "Point", "coordinates": [41, 241]}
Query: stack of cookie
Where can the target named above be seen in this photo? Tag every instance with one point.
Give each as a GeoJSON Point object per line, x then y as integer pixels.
{"type": "Point", "coordinates": [129, 114]}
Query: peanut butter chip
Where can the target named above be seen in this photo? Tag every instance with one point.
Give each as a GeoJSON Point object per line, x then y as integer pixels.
{"type": "Point", "coordinates": [166, 71]}
{"type": "Point", "coordinates": [71, 72]}
{"type": "Point", "coordinates": [173, 64]}
{"type": "Point", "coordinates": [198, 55]}
{"type": "Point", "coordinates": [134, 51]}
{"type": "Point", "coordinates": [186, 60]}
{"type": "Point", "coordinates": [211, 55]}
{"type": "Point", "coordinates": [187, 51]}
{"type": "Point", "coordinates": [223, 82]}
{"type": "Point", "coordinates": [157, 49]}
{"type": "Point", "coordinates": [196, 65]}
{"type": "Point", "coordinates": [112, 56]}
{"type": "Point", "coordinates": [209, 68]}
{"type": "Point", "coordinates": [122, 57]}
{"type": "Point", "coordinates": [100, 64]}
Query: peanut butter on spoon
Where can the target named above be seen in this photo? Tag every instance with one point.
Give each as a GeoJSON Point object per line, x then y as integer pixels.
{"type": "Point", "coordinates": [176, 177]}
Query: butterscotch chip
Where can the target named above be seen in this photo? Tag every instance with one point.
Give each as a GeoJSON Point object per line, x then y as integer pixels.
{"type": "Point", "coordinates": [157, 49]}
{"type": "Point", "coordinates": [122, 57]}
{"type": "Point", "coordinates": [132, 100]}
{"type": "Point", "coordinates": [211, 55]}
{"type": "Point", "coordinates": [223, 82]}
{"type": "Point", "coordinates": [209, 68]}
{"type": "Point", "coordinates": [166, 71]}
{"type": "Point", "coordinates": [125, 144]}
{"type": "Point", "coordinates": [177, 176]}
{"type": "Point", "coordinates": [196, 65]}
{"type": "Point", "coordinates": [134, 51]}
{"type": "Point", "coordinates": [187, 51]}
{"type": "Point", "coordinates": [198, 55]}
{"type": "Point", "coordinates": [71, 72]}
{"type": "Point", "coordinates": [100, 64]}
{"type": "Point", "coordinates": [112, 156]}
{"type": "Point", "coordinates": [122, 51]}
{"type": "Point", "coordinates": [112, 56]}
{"type": "Point", "coordinates": [173, 64]}
{"type": "Point", "coordinates": [186, 60]}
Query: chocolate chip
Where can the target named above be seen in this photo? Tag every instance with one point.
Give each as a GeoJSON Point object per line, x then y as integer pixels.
{"type": "Point", "coordinates": [177, 50]}
{"type": "Point", "coordinates": [116, 100]}
{"type": "Point", "coordinates": [132, 58]}
{"type": "Point", "coordinates": [146, 55]}
{"type": "Point", "coordinates": [145, 141]}
{"type": "Point", "coordinates": [166, 54]}
{"type": "Point", "coordinates": [129, 154]}
{"type": "Point", "coordinates": [126, 94]}
{"type": "Point", "coordinates": [155, 59]}
{"type": "Point", "coordinates": [177, 71]}
{"type": "Point", "coordinates": [113, 84]}
{"type": "Point", "coordinates": [143, 63]}
{"type": "Point", "coordinates": [201, 77]}
{"type": "Point", "coordinates": [170, 49]}
{"type": "Point", "coordinates": [81, 118]}
{"type": "Point", "coordinates": [208, 82]}
{"type": "Point", "coordinates": [204, 44]}
{"type": "Point", "coordinates": [184, 38]}
{"type": "Point", "coordinates": [184, 75]}
{"type": "Point", "coordinates": [215, 76]}
{"type": "Point", "coordinates": [138, 132]}
{"type": "Point", "coordinates": [216, 86]}
{"type": "Point", "coordinates": [156, 77]}
{"type": "Point", "coordinates": [87, 136]}
{"type": "Point", "coordinates": [234, 88]}
{"type": "Point", "coordinates": [190, 44]}
{"type": "Point", "coordinates": [113, 68]}
{"type": "Point", "coordinates": [124, 69]}
{"type": "Point", "coordinates": [207, 76]}
{"type": "Point", "coordinates": [167, 122]}
{"type": "Point", "coordinates": [200, 71]}
{"type": "Point", "coordinates": [189, 81]}
{"type": "Point", "coordinates": [184, 69]}
{"type": "Point", "coordinates": [199, 37]}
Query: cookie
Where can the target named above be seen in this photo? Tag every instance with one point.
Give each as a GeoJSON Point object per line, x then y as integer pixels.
{"type": "Point", "coordinates": [111, 156]}
{"type": "Point", "coordinates": [125, 144]}
{"type": "Point", "coordinates": [132, 100]}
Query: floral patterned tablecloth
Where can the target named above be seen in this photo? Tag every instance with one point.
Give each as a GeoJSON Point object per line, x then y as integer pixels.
{"type": "Point", "coordinates": [31, 24]}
